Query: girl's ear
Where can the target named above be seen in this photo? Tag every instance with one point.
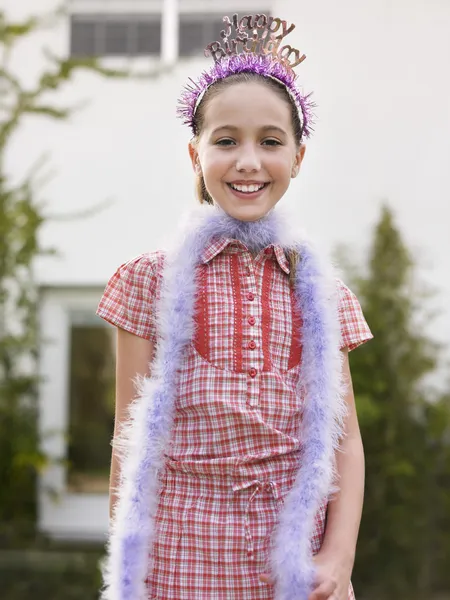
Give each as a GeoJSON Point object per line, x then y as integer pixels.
{"type": "Point", "coordinates": [194, 158]}
{"type": "Point", "coordinates": [299, 156]}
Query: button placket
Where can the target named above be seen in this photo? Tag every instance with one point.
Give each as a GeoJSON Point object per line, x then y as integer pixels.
{"type": "Point", "coordinates": [252, 334]}
{"type": "Point", "coordinates": [253, 385]}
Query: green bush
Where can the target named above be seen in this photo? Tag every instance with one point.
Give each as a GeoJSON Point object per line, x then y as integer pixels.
{"type": "Point", "coordinates": [403, 547]}
{"type": "Point", "coordinates": [50, 575]}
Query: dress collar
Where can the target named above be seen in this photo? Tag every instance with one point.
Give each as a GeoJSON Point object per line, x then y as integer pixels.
{"type": "Point", "coordinates": [217, 246]}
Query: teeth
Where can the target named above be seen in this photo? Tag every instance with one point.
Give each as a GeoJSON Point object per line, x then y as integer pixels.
{"type": "Point", "coordinates": [247, 188]}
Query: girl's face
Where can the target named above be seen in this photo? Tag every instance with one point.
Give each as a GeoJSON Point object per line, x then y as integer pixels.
{"type": "Point", "coordinates": [246, 150]}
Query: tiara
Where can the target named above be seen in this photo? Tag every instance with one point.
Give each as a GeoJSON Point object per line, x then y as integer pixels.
{"type": "Point", "coordinates": [250, 44]}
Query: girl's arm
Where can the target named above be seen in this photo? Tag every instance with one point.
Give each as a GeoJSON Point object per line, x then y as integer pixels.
{"type": "Point", "coordinates": [133, 358]}
{"type": "Point", "coordinates": [344, 510]}
{"type": "Point", "coordinates": [334, 562]}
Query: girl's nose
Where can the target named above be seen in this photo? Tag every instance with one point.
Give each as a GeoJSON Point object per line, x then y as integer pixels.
{"type": "Point", "coordinates": [248, 160]}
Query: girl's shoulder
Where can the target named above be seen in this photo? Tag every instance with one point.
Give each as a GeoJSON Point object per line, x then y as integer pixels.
{"type": "Point", "coordinates": [345, 294]}
{"type": "Point", "coordinates": [354, 328]}
{"type": "Point", "coordinates": [130, 295]}
{"type": "Point", "coordinates": [143, 266]}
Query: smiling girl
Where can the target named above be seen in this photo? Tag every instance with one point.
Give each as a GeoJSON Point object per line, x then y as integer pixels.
{"type": "Point", "coordinates": [238, 471]}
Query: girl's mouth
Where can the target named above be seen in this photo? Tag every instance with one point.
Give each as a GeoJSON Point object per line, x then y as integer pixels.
{"type": "Point", "coordinates": [251, 190]}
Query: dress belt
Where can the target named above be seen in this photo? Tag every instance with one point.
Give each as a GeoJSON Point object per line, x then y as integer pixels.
{"type": "Point", "coordinates": [270, 486]}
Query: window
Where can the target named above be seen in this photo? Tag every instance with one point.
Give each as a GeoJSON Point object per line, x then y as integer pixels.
{"type": "Point", "coordinates": [91, 403]}
{"type": "Point", "coordinates": [197, 31]}
{"type": "Point", "coordinates": [119, 34]}
{"type": "Point", "coordinates": [115, 35]}
{"type": "Point", "coordinates": [76, 394]}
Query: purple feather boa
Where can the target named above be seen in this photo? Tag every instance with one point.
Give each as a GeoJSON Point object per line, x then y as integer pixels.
{"type": "Point", "coordinates": [147, 433]}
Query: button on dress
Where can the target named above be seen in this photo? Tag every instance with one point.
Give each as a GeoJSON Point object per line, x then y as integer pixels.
{"type": "Point", "coordinates": [235, 445]}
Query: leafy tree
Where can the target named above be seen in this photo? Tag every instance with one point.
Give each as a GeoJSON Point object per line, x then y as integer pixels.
{"type": "Point", "coordinates": [21, 218]}
{"type": "Point", "coordinates": [404, 435]}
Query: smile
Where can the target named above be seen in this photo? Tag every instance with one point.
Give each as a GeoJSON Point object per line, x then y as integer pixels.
{"type": "Point", "coordinates": [247, 189]}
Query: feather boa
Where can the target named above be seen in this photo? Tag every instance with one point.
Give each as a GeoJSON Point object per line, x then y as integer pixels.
{"type": "Point", "coordinates": [147, 433]}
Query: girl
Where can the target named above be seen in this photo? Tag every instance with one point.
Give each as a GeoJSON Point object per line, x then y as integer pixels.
{"type": "Point", "coordinates": [239, 338]}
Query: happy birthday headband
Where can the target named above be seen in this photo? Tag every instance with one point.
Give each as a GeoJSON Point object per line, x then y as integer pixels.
{"type": "Point", "coordinates": [255, 48]}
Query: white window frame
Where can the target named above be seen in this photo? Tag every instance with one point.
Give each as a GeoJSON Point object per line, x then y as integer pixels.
{"type": "Point", "coordinates": [63, 515]}
{"type": "Point", "coordinates": [152, 6]}
{"type": "Point", "coordinates": [115, 6]}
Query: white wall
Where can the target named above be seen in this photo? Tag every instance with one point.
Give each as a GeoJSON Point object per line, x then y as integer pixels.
{"type": "Point", "coordinates": [380, 73]}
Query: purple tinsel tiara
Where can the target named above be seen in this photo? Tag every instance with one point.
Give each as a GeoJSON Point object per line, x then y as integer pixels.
{"type": "Point", "coordinates": [262, 54]}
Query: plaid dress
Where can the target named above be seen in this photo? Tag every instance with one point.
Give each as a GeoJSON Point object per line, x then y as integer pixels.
{"type": "Point", "coordinates": [235, 445]}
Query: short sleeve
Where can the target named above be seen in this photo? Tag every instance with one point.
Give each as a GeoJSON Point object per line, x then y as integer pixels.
{"type": "Point", "coordinates": [129, 298]}
{"type": "Point", "coordinates": [354, 328]}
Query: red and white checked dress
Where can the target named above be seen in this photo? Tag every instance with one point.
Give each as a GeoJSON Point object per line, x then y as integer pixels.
{"type": "Point", "coordinates": [235, 445]}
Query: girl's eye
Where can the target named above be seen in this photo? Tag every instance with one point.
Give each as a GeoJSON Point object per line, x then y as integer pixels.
{"type": "Point", "coordinates": [225, 142]}
{"type": "Point", "coordinates": [271, 142]}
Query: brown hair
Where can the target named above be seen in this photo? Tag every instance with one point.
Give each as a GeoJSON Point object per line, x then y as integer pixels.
{"type": "Point", "coordinates": [199, 120]}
